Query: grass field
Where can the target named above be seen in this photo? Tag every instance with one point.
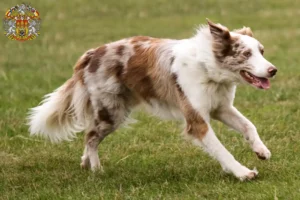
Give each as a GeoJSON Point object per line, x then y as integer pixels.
{"type": "Point", "coordinates": [151, 160]}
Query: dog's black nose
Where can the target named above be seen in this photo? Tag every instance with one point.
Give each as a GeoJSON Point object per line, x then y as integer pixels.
{"type": "Point", "coordinates": [272, 71]}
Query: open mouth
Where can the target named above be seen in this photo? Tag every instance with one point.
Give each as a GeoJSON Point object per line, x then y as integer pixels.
{"type": "Point", "coordinates": [259, 82]}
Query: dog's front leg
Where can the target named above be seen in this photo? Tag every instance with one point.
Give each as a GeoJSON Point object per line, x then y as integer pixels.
{"type": "Point", "coordinates": [199, 129]}
{"type": "Point", "coordinates": [234, 119]}
{"type": "Point", "coordinates": [206, 138]}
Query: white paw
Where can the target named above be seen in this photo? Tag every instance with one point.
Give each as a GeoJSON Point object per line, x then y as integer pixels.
{"type": "Point", "coordinates": [95, 164]}
{"type": "Point", "coordinates": [85, 162]}
{"type": "Point", "coordinates": [97, 168]}
{"type": "Point", "coordinates": [245, 174]}
{"type": "Point", "coordinates": [261, 151]}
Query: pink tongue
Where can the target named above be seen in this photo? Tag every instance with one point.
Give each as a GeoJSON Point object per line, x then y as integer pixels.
{"type": "Point", "coordinates": [264, 83]}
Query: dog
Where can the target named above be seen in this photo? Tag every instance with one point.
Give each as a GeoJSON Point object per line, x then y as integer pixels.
{"type": "Point", "coordinates": [193, 80]}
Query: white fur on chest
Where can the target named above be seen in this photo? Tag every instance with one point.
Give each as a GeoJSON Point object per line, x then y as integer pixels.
{"type": "Point", "coordinates": [201, 82]}
{"type": "Point", "coordinates": [207, 97]}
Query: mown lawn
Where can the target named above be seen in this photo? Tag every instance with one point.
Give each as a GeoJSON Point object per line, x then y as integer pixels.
{"type": "Point", "coordinates": [150, 160]}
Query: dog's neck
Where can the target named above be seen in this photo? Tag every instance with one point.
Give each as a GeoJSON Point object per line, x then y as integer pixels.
{"type": "Point", "coordinates": [206, 60]}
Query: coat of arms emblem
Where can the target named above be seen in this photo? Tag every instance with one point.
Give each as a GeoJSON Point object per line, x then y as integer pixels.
{"type": "Point", "coordinates": [22, 22]}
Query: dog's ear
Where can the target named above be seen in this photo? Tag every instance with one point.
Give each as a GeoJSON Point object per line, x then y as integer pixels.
{"type": "Point", "coordinates": [222, 40]}
{"type": "Point", "coordinates": [245, 31]}
{"type": "Point", "coordinates": [218, 31]}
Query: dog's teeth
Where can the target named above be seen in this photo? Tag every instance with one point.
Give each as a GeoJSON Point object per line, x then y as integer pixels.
{"type": "Point", "coordinates": [248, 75]}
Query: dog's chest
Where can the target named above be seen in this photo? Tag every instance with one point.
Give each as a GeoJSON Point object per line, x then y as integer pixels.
{"type": "Point", "coordinates": [216, 95]}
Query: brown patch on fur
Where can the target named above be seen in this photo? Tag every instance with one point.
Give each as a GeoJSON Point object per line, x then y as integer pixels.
{"type": "Point", "coordinates": [80, 65]}
{"type": "Point", "coordinates": [146, 78]}
{"type": "Point", "coordinates": [138, 74]}
{"type": "Point", "coordinates": [236, 45]}
{"type": "Point", "coordinates": [119, 69]}
{"type": "Point", "coordinates": [221, 50]}
{"type": "Point", "coordinates": [140, 39]}
{"type": "Point", "coordinates": [115, 70]}
{"type": "Point", "coordinates": [84, 61]}
{"type": "Point", "coordinates": [245, 31]}
{"type": "Point", "coordinates": [120, 50]}
{"type": "Point", "coordinates": [91, 134]}
{"type": "Point", "coordinates": [96, 59]}
{"type": "Point", "coordinates": [179, 89]}
{"type": "Point", "coordinates": [104, 115]}
{"type": "Point", "coordinates": [196, 126]}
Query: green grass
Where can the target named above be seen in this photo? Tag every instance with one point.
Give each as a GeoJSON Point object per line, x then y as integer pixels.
{"type": "Point", "coordinates": [151, 160]}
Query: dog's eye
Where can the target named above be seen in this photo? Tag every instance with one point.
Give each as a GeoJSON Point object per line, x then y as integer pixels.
{"type": "Point", "coordinates": [247, 54]}
{"type": "Point", "coordinates": [262, 51]}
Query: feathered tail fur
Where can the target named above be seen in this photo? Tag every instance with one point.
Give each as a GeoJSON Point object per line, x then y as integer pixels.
{"type": "Point", "coordinates": [66, 111]}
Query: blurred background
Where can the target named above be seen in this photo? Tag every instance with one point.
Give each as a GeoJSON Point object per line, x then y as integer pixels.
{"type": "Point", "coordinates": [150, 161]}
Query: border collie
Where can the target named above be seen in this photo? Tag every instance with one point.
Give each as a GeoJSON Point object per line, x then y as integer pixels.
{"type": "Point", "coordinates": [193, 80]}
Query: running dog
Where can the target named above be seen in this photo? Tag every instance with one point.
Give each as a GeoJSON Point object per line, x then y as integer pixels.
{"type": "Point", "coordinates": [193, 80]}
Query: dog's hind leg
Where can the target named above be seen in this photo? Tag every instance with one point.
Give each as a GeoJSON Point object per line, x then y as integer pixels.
{"type": "Point", "coordinates": [90, 157]}
{"type": "Point", "coordinates": [108, 115]}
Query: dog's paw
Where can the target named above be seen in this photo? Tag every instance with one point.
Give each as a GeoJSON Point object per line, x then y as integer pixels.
{"type": "Point", "coordinates": [85, 162]}
{"type": "Point", "coordinates": [250, 175]}
{"type": "Point", "coordinates": [97, 168]}
{"type": "Point", "coordinates": [262, 152]}
{"type": "Point", "coordinates": [246, 174]}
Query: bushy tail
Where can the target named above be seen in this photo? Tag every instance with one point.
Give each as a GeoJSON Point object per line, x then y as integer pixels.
{"type": "Point", "coordinates": [66, 111]}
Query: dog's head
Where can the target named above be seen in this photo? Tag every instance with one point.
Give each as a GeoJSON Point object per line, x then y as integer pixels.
{"type": "Point", "coordinates": [240, 53]}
